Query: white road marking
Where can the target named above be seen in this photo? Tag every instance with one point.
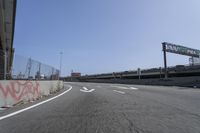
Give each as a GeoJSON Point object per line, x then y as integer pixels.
{"type": "Point", "coordinates": [86, 90]}
{"type": "Point", "coordinates": [125, 88]}
{"type": "Point", "coordinates": [133, 88]}
{"type": "Point", "coordinates": [33, 106]}
{"type": "Point", "coordinates": [119, 91]}
{"type": "Point", "coordinates": [120, 87]}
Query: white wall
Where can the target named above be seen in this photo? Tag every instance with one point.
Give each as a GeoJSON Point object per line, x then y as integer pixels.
{"type": "Point", "coordinates": [15, 91]}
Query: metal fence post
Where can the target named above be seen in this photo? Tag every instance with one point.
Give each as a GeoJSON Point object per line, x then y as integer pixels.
{"type": "Point", "coordinates": [29, 67]}
{"type": "Point", "coordinates": [61, 53]}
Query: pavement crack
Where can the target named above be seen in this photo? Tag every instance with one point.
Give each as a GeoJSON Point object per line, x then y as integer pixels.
{"type": "Point", "coordinates": [132, 127]}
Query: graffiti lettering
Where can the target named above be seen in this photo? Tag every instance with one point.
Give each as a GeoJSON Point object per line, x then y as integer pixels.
{"type": "Point", "coordinates": [19, 89]}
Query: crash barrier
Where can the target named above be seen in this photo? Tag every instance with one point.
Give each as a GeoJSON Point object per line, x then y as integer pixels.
{"type": "Point", "coordinates": [176, 81]}
{"type": "Point", "coordinates": [14, 92]}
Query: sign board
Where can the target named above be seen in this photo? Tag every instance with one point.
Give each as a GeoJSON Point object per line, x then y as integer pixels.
{"type": "Point", "coordinates": [177, 49]}
{"type": "Point", "coordinates": [75, 74]}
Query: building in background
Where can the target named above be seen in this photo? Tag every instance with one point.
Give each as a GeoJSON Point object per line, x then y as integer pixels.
{"type": "Point", "coordinates": [75, 74]}
{"type": "Point", "coordinates": [7, 26]}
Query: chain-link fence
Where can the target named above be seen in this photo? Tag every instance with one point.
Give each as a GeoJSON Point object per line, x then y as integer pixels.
{"type": "Point", "coordinates": [26, 68]}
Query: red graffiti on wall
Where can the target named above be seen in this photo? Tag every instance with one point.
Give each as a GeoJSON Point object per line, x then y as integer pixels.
{"type": "Point", "coordinates": [18, 89]}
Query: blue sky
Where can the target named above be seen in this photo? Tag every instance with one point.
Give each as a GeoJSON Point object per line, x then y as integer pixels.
{"type": "Point", "coordinates": [99, 36]}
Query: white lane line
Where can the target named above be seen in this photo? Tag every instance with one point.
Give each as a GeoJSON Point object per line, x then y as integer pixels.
{"type": "Point", "coordinates": [133, 88]}
{"type": "Point", "coordinates": [33, 106]}
{"type": "Point", "coordinates": [121, 92]}
{"type": "Point", "coordinates": [125, 88]}
{"type": "Point", "coordinates": [120, 87]}
{"type": "Point", "coordinates": [86, 90]}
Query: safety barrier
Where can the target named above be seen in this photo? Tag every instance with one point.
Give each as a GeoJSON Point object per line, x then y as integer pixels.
{"type": "Point", "coordinates": [13, 92]}
{"type": "Point", "coordinates": [175, 81]}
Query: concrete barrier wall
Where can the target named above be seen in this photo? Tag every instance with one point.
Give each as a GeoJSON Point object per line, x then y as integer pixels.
{"type": "Point", "coordinates": [176, 81]}
{"type": "Point", "coordinates": [15, 91]}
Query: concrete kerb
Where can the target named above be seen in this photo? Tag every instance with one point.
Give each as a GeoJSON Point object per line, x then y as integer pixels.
{"type": "Point", "coordinates": [13, 92]}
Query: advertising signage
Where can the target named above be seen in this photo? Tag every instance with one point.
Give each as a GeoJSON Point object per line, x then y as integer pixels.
{"type": "Point", "coordinates": [177, 49]}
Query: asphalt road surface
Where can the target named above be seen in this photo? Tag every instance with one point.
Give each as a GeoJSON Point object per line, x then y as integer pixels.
{"type": "Point", "coordinates": [110, 108]}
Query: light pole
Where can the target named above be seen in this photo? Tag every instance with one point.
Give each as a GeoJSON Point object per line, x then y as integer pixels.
{"type": "Point", "coordinates": [61, 53]}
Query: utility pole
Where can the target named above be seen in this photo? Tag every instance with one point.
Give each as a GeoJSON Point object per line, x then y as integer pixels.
{"type": "Point", "coordinates": [165, 60]}
{"type": "Point", "coordinates": [61, 53]}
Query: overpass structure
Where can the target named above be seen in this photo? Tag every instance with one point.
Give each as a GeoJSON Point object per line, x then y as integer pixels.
{"type": "Point", "coordinates": [174, 71]}
{"type": "Point", "coordinates": [179, 75]}
{"type": "Point", "coordinates": [7, 26]}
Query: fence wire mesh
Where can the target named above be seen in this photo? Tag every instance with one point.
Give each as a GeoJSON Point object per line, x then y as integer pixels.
{"type": "Point", "coordinates": [26, 68]}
